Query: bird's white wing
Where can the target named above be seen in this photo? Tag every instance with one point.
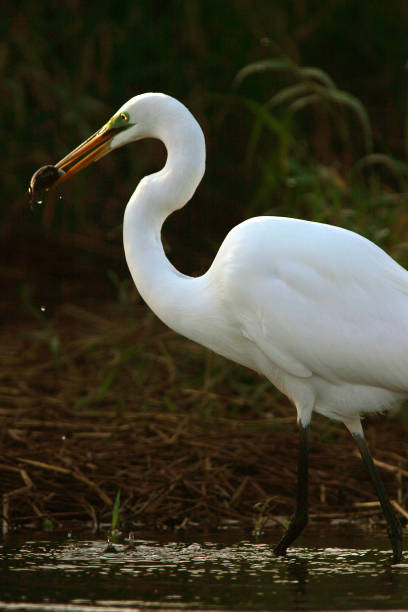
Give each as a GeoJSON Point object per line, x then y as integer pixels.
{"type": "Point", "coordinates": [318, 300]}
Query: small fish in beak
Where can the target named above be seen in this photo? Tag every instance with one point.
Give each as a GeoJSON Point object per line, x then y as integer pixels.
{"type": "Point", "coordinates": [44, 178]}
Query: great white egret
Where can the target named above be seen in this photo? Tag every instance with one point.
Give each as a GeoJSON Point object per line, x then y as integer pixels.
{"type": "Point", "coordinates": [321, 311]}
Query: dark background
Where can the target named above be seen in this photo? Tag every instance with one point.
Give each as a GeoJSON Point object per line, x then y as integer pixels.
{"type": "Point", "coordinates": [67, 66]}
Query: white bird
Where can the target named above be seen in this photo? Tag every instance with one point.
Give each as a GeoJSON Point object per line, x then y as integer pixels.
{"type": "Point", "coordinates": [321, 311]}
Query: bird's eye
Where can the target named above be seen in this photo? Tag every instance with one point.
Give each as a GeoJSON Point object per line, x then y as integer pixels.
{"type": "Point", "coordinates": [124, 116]}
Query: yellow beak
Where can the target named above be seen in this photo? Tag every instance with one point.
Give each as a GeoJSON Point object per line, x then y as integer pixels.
{"type": "Point", "coordinates": [89, 151]}
{"type": "Point", "coordinates": [95, 147]}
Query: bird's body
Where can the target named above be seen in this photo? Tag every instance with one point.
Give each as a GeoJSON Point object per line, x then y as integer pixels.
{"type": "Point", "coordinates": [321, 311]}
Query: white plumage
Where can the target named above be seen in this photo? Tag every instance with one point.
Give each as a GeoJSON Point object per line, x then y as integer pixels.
{"type": "Point", "coordinates": [319, 310]}
{"type": "Point", "coordinates": [326, 311]}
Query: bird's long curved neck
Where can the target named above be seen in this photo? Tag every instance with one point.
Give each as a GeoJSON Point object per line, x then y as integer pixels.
{"type": "Point", "coordinates": [170, 294]}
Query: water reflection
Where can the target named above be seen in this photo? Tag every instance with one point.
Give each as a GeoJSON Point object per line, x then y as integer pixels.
{"type": "Point", "coordinates": [81, 575]}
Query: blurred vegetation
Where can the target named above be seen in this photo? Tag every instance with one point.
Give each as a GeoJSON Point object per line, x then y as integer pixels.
{"type": "Point", "coordinates": [303, 105]}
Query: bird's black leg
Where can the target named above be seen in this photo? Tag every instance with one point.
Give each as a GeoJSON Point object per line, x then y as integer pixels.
{"type": "Point", "coordinates": [299, 519]}
{"type": "Point", "coordinates": [393, 525]}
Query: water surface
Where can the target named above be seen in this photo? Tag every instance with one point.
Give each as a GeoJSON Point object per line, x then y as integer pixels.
{"type": "Point", "coordinates": [228, 574]}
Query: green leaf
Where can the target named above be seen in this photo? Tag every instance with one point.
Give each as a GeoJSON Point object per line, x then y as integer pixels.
{"type": "Point", "coordinates": [346, 99]}
{"type": "Point", "coordinates": [319, 75]}
{"type": "Point", "coordinates": [47, 525]}
{"type": "Point", "coordinates": [262, 66]}
{"type": "Point", "coordinates": [396, 166]}
{"type": "Point", "coordinates": [286, 94]}
{"type": "Point", "coordinates": [301, 103]}
{"type": "Point", "coordinates": [115, 511]}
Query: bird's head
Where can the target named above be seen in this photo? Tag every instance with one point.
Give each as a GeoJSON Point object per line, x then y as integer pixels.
{"type": "Point", "coordinates": [120, 129]}
{"type": "Point", "coordinates": [147, 115]}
